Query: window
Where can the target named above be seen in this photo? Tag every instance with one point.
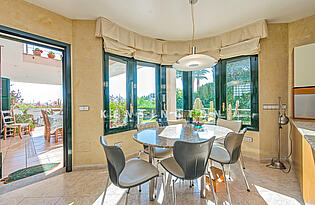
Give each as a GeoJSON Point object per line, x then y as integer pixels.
{"type": "Point", "coordinates": [228, 90]}
{"type": "Point", "coordinates": [117, 94]}
{"type": "Point", "coordinates": [204, 91]}
{"type": "Point", "coordinates": [135, 92]}
{"type": "Point", "coordinates": [179, 95]}
{"type": "Point", "coordinates": [146, 96]}
{"type": "Point", "coordinates": [238, 96]}
{"type": "Point", "coordinates": [132, 92]}
{"type": "Point", "coordinates": [240, 90]}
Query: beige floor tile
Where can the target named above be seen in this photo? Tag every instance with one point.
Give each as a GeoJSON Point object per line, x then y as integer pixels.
{"type": "Point", "coordinates": [39, 201]}
{"type": "Point", "coordinates": [86, 187]}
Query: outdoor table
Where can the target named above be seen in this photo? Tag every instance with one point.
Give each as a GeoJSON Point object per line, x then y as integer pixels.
{"type": "Point", "coordinates": [165, 137]}
{"type": "Point", "coordinates": [56, 122]}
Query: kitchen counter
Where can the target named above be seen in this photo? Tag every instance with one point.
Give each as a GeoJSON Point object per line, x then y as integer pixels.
{"type": "Point", "coordinates": [307, 129]}
{"type": "Point", "coordinates": [303, 157]}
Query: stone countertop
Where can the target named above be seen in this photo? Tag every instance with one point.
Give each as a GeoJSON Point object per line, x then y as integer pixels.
{"type": "Point", "coordinates": [307, 129]}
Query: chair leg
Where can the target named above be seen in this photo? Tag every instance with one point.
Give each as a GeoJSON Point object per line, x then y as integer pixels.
{"type": "Point", "coordinates": [229, 172]}
{"type": "Point", "coordinates": [226, 185]}
{"type": "Point", "coordinates": [212, 188]}
{"type": "Point", "coordinates": [191, 183]}
{"type": "Point", "coordinates": [242, 159]}
{"type": "Point", "coordinates": [56, 135]}
{"type": "Point", "coordinates": [174, 193]}
{"type": "Point", "coordinates": [127, 196]}
{"type": "Point", "coordinates": [5, 133]}
{"type": "Point", "coordinates": [106, 185]}
{"type": "Point", "coordinates": [155, 187]}
{"type": "Point", "coordinates": [244, 176]}
{"type": "Point", "coordinates": [29, 130]}
{"type": "Point", "coordinates": [20, 131]}
{"type": "Point", "coordinates": [48, 135]}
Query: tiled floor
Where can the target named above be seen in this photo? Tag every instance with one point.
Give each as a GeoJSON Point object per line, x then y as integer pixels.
{"type": "Point", "coordinates": [29, 151]}
{"type": "Point", "coordinates": [268, 186]}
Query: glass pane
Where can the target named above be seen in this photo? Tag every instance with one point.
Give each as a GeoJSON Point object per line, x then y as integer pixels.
{"type": "Point", "coordinates": [203, 95]}
{"type": "Point", "coordinates": [117, 94]}
{"type": "Point", "coordinates": [238, 82]}
{"type": "Point", "coordinates": [179, 95]}
{"type": "Point", "coordinates": [146, 94]}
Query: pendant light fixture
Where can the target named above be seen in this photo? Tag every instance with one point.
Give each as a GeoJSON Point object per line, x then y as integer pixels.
{"type": "Point", "coordinates": [194, 61]}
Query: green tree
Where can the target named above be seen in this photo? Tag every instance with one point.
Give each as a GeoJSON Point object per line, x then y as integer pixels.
{"type": "Point", "coordinates": [200, 75]}
{"type": "Point", "coordinates": [238, 82]}
{"type": "Point", "coordinates": [118, 114]}
{"type": "Point", "coordinates": [179, 98]}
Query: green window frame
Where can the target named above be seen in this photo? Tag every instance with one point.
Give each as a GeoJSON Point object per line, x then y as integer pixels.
{"type": "Point", "coordinates": [131, 91]}
{"type": "Point", "coordinates": [220, 91]}
{"type": "Point", "coordinates": [254, 92]}
{"type": "Point", "coordinates": [160, 91]}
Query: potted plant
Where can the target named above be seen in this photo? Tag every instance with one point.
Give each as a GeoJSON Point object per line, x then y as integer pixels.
{"type": "Point", "coordinates": [51, 55]}
{"type": "Point", "coordinates": [32, 127]}
{"type": "Point", "coordinates": [197, 113]}
{"type": "Point", "coordinates": [25, 118]}
{"type": "Point", "coordinates": [37, 52]}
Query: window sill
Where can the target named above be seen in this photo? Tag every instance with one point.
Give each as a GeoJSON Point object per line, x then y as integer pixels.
{"type": "Point", "coordinates": [118, 130]}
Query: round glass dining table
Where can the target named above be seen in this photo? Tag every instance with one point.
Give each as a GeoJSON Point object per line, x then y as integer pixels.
{"type": "Point", "coordinates": [165, 137]}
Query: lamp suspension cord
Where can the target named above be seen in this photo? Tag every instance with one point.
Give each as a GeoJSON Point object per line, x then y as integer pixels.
{"type": "Point", "coordinates": [193, 24]}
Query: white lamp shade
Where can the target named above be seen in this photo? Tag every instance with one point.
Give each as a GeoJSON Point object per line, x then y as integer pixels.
{"type": "Point", "coordinates": [194, 62]}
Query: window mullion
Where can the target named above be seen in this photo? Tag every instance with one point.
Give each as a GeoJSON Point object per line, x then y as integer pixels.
{"type": "Point", "coordinates": [157, 91]}
{"type": "Point", "coordinates": [134, 93]}
{"type": "Point", "coordinates": [163, 92]}
{"type": "Point", "coordinates": [106, 92]}
{"type": "Point", "coordinates": [254, 93]}
{"type": "Point", "coordinates": [187, 94]}
{"type": "Point", "coordinates": [223, 105]}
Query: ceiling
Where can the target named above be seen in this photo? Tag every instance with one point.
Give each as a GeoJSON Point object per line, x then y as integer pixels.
{"type": "Point", "coordinates": [171, 20]}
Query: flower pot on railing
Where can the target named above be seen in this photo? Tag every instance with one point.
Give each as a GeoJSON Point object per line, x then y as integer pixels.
{"type": "Point", "coordinates": [37, 53]}
{"type": "Point", "coordinates": [52, 56]}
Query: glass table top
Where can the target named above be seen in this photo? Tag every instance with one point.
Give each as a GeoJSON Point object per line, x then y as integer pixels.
{"type": "Point", "coordinates": [165, 137]}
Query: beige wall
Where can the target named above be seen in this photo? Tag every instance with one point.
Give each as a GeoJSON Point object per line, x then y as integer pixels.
{"type": "Point", "coordinates": [276, 52]}
{"type": "Point", "coordinates": [87, 90]}
{"type": "Point", "coordinates": [24, 16]}
{"type": "Point", "coordinates": [273, 82]}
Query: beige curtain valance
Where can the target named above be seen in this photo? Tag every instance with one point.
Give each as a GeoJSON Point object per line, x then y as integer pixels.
{"type": "Point", "coordinates": [120, 41]}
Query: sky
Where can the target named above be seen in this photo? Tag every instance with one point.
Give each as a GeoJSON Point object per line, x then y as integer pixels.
{"type": "Point", "coordinates": [209, 76]}
{"type": "Point", "coordinates": [145, 79]}
{"type": "Point", "coordinates": [33, 93]}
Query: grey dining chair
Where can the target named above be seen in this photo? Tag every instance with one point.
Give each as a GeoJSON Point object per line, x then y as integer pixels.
{"type": "Point", "coordinates": [229, 154]}
{"type": "Point", "coordinates": [189, 162]}
{"type": "Point", "coordinates": [235, 126]}
{"type": "Point", "coordinates": [157, 152]}
{"type": "Point", "coordinates": [124, 174]}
